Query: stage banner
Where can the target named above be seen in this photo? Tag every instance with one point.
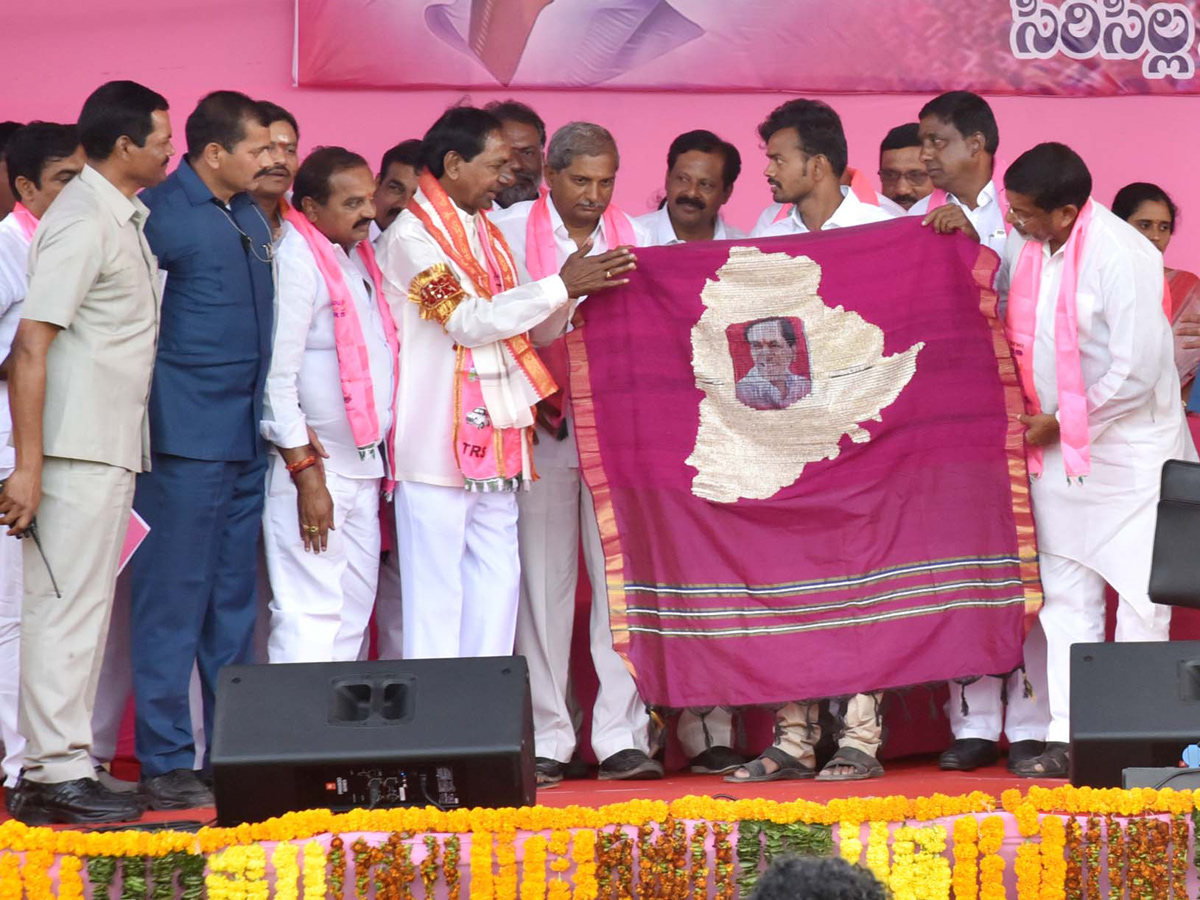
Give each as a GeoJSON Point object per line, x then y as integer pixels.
{"type": "Point", "coordinates": [1072, 47]}
{"type": "Point", "coordinates": [807, 466]}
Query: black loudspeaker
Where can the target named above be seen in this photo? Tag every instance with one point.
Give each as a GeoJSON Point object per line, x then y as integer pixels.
{"type": "Point", "coordinates": [437, 732]}
{"type": "Point", "coordinates": [1132, 705]}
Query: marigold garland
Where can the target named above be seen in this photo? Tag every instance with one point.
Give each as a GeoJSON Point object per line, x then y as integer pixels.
{"type": "Point", "coordinates": [1117, 872]}
{"type": "Point", "coordinates": [533, 869]}
{"type": "Point", "coordinates": [991, 863]}
{"type": "Point", "coordinates": [315, 861]}
{"type": "Point", "coordinates": [558, 847]}
{"type": "Point", "coordinates": [1053, 877]}
{"type": "Point", "coordinates": [429, 866]}
{"type": "Point", "coordinates": [1074, 883]}
{"type": "Point", "coordinates": [723, 852]}
{"type": "Point", "coordinates": [583, 854]}
{"type": "Point", "coordinates": [1179, 856]}
{"type": "Point", "coordinates": [1028, 866]}
{"type": "Point", "coordinates": [903, 874]}
{"type": "Point", "coordinates": [506, 858]}
{"type": "Point", "coordinates": [849, 842]}
{"type": "Point", "coordinates": [878, 851]}
{"type": "Point", "coordinates": [287, 871]}
{"type": "Point", "coordinates": [337, 867]}
{"type": "Point", "coordinates": [699, 861]}
{"type": "Point", "coordinates": [931, 869]}
{"type": "Point", "coordinates": [36, 874]}
{"type": "Point", "coordinates": [10, 877]}
{"type": "Point", "coordinates": [70, 878]}
{"type": "Point", "coordinates": [450, 856]}
{"type": "Point", "coordinates": [481, 866]}
{"type": "Point", "coordinates": [966, 858]}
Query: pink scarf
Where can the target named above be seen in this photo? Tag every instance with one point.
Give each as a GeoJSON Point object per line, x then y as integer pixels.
{"type": "Point", "coordinates": [27, 220]}
{"type": "Point", "coordinates": [353, 362]}
{"type": "Point", "coordinates": [859, 187]}
{"type": "Point", "coordinates": [541, 261]}
{"type": "Point", "coordinates": [1021, 326]}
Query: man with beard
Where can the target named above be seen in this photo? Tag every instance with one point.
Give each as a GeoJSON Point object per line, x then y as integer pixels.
{"type": "Point", "coordinates": [959, 139]}
{"type": "Point", "coordinates": [275, 180]}
{"type": "Point", "coordinates": [806, 158]}
{"type": "Point", "coordinates": [902, 175]}
{"type": "Point", "coordinates": [468, 382]}
{"type": "Point", "coordinates": [526, 134]}
{"type": "Point", "coordinates": [335, 374]}
{"type": "Point", "coordinates": [203, 499]}
{"type": "Point", "coordinates": [1094, 354]}
{"type": "Point", "coordinates": [396, 184]}
{"type": "Point", "coordinates": [701, 171]}
{"type": "Point", "coordinates": [576, 216]}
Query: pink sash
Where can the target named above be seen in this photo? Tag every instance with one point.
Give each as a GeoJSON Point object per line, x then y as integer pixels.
{"type": "Point", "coordinates": [354, 368]}
{"type": "Point", "coordinates": [859, 186]}
{"type": "Point", "coordinates": [541, 261]}
{"type": "Point", "coordinates": [27, 220]}
{"type": "Point", "coordinates": [1021, 327]}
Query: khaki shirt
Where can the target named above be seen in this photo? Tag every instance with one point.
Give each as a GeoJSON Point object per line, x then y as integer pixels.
{"type": "Point", "coordinates": [92, 274]}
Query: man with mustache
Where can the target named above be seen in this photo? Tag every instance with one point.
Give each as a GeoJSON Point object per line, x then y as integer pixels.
{"type": "Point", "coordinates": [203, 498]}
{"type": "Point", "coordinates": [806, 158]}
{"type": "Point", "coordinates": [468, 383]}
{"type": "Point", "coordinates": [526, 134]}
{"type": "Point", "coordinates": [396, 184]}
{"type": "Point", "coordinates": [701, 171]}
{"type": "Point", "coordinates": [902, 175]}
{"type": "Point", "coordinates": [275, 179]}
{"type": "Point", "coordinates": [321, 517]}
{"type": "Point", "coordinates": [959, 139]}
{"type": "Point", "coordinates": [576, 216]}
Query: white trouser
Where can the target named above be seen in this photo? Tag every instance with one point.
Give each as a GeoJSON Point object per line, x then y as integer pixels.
{"type": "Point", "coordinates": [691, 731]}
{"type": "Point", "coordinates": [1074, 614]}
{"type": "Point", "coordinates": [389, 616]}
{"type": "Point", "coordinates": [321, 602]}
{"type": "Point", "coordinates": [10, 653]}
{"type": "Point", "coordinates": [459, 570]}
{"type": "Point", "coordinates": [1025, 718]}
{"type": "Point", "coordinates": [553, 514]}
{"type": "Point", "coordinates": [116, 686]}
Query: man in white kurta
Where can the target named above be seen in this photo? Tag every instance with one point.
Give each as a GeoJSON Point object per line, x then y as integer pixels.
{"type": "Point", "coordinates": [559, 509]}
{"type": "Point", "coordinates": [959, 138]}
{"type": "Point", "coordinates": [322, 596]}
{"type": "Point", "coordinates": [701, 172]}
{"type": "Point", "coordinates": [42, 158]}
{"type": "Point", "coordinates": [459, 564]}
{"type": "Point", "coordinates": [1098, 528]}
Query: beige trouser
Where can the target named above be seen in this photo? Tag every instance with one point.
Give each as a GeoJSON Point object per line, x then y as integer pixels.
{"type": "Point", "coordinates": [799, 731]}
{"type": "Point", "coordinates": [81, 523]}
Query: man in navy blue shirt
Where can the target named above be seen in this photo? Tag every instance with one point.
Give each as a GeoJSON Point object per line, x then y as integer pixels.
{"type": "Point", "coordinates": [193, 586]}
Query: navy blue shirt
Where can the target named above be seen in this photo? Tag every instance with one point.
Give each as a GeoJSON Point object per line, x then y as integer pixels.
{"type": "Point", "coordinates": [214, 344]}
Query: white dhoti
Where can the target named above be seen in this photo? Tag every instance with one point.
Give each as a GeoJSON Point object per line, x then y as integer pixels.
{"type": "Point", "coordinates": [10, 655]}
{"type": "Point", "coordinates": [554, 514]}
{"type": "Point", "coordinates": [1021, 718]}
{"type": "Point", "coordinates": [697, 733]}
{"type": "Point", "coordinates": [321, 602]}
{"type": "Point", "coordinates": [459, 570]}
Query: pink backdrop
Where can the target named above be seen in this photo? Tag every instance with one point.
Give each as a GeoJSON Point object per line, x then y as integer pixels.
{"type": "Point", "coordinates": [184, 48]}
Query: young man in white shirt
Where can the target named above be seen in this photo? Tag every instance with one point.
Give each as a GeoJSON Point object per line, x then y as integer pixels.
{"type": "Point", "coordinates": [321, 517]}
{"type": "Point", "coordinates": [577, 215]}
{"type": "Point", "coordinates": [468, 384]}
{"type": "Point", "coordinates": [701, 171]}
{"type": "Point", "coordinates": [42, 158]}
{"type": "Point", "coordinates": [1103, 412]}
{"type": "Point", "coordinates": [806, 157]}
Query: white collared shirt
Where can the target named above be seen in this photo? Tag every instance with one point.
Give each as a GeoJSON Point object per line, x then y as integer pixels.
{"type": "Point", "coordinates": [850, 212]}
{"type": "Point", "coordinates": [513, 222]}
{"type": "Point", "coordinates": [14, 281]}
{"type": "Point", "coordinates": [987, 218]}
{"type": "Point", "coordinates": [303, 383]}
{"type": "Point", "coordinates": [425, 411]}
{"type": "Point", "coordinates": [757, 391]}
{"type": "Point", "coordinates": [661, 231]}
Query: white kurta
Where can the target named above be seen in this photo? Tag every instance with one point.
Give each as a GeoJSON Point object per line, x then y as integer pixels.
{"type": "Point", "coordinates": [321, 603]}
{"type": "Point", "coordinates": [14, 257]}
{"type": "Point", "coordinates": [459, 568]}
{"type": "Point", "coordinates": [662, 233]}
{"type": "Point", "coordinates": [987, 218]}
{"type": "Point", "coordinates": [554, 515]}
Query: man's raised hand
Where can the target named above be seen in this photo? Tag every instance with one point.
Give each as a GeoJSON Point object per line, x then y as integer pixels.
{"type": "Point", "coordinates": [583, 274]}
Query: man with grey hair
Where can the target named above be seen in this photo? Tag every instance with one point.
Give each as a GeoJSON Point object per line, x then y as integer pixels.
{"type": "Point", "coordinates": [578, 213]}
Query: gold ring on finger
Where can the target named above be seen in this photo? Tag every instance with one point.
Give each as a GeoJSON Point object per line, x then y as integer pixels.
{"type": "Point", "coordinates": [607, 274]}
{"type": "Point", "coordinates": [313, 529]}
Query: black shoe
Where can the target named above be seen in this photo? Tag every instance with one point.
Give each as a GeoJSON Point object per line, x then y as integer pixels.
{"type": "Point", "coordinates": [549, 772]}
{"type": "Point", "coordinates": [77, 802]}
{"type": "Point", "coordinates": [177, 789]}
{"type": "Point", "coordinates": [717, 761]}
{"type": "Point", "coordinates": [1022, 751]}
{"type": "Point", "coordinates": [630, 765]}
{"type": "Point", "coordinates": [968, 754]}
{"type": "Point", "coordinates": [575, 769]}
{"type": "Point", "coordinates": [206, 778]}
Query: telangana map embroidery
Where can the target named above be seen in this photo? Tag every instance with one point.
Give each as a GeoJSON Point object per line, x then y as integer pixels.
{"type": "Point", "coordinates": [746, 451]}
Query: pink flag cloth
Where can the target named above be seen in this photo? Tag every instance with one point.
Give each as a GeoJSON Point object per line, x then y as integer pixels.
{"type": "Point", "coordinates": [27, 220]}
{"type": "Point", "coordinates": [135, 533]}
{"type": "Point", "coordinates": [541, 261]}
{"type": "Point", "coordinates": [354, 366]}
{"type": "Point", "coordinates": [898, 550]}
{"type": "Point", "coordinates": [1022, 328]}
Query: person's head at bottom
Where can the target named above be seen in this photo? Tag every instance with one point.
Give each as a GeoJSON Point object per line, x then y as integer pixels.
{"type": "Point", "coordinates": [817, 878]}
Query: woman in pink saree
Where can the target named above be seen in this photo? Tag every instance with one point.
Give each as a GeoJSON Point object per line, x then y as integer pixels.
{"type": "Point", "coordinates": [1149, 209]}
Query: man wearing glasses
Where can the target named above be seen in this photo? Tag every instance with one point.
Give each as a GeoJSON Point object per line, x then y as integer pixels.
{"type": "Point", "coordinates": [902, 175]}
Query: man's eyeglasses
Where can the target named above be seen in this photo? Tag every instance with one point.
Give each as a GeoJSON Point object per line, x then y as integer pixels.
{"type": "Point", "coordinates": [915, 177]}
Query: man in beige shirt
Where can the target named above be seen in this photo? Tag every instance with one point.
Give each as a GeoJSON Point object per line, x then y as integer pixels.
{"type": "Point", "coordinates": [81, 367]}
